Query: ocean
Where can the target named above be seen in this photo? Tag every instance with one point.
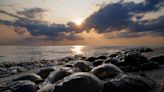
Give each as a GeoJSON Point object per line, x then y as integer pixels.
{"type": "Point", "coordinates": [36, 53]}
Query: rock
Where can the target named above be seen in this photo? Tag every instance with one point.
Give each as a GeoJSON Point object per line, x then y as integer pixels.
{"type": "Point", "coordinates": [102, 57]}
{"type": "Point", "coordinates": [79, 82]}
{"type": "Point", "coordinates": [31, 76]}
{"type": "Point", "coordinates": [6, 91]}
{"type": "Point", "coordinates": [127, 68]}
{"type": "Point", "coordinates": [45, 72]}
{"type": "Point", "coordinates": [148, 66]}
{"type": "Point", "coordinates": [47, 88]}
{"type": "Point", "coordinates": [135, 59]}
{"type": "Point", "coordinates": [22, 86]}
{"type": "Point", "coordinates": [158, 59]}
{"type": "Point", "coordinates": [84, 66]}
{"type": "Point", "coordinates": [129, 83]}
{"type": "Point", "coordinates": [113, 54]}
{"type": "Point", "coordinates": [111, 60]}
{"type": "Point", "coordinates": [106, 71]}
{"type": "Point", "coordinates": [144, 49]}
{"type": "Point", "coordinates": [57, 75]}
{"type": "Point", "coordinates": [91, 59]}
{"type": "Point", "coordinates": [121, 57]}
{"type": "Point", "coordinates": [98, 62]}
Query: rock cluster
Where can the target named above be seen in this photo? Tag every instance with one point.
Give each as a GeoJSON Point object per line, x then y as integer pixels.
{"type": "Point", "coordinates": [104, 73]}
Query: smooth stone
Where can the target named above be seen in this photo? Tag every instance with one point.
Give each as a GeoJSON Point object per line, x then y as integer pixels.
{"type": "Point", "coordinates": [134, 59]}
{"type": "Point", "coordinates": [79, 82]}
{"type": "Point", "coordinates": [31, 76]}
{"type": "Point", "coordinates": [45, 72]}
{"type": "Point", "coordinates": [106, 71]}
{"type": "Point", "coordinates": [111, 60]}
{"type": "Point", "coordinates": [98, 62]}
{"type": "Point", "coordinates": [58, 75]}
{"type": "Point", "coordinates": [91, 59]}
{"type": "Point", "coordinates": [47, 88]}
{"type": "Point", "coordinates": [158, 59]}
{"type": "Point", "coordinates": [84, 66]}
{"type": "Point", "coordinates": [22, 86]}
{"type": "Point", "coordinates": [102, 57]}
{"type": "Point", "coordinates": [129, 83]}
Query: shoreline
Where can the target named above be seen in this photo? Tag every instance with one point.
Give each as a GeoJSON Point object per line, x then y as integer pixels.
{"type": "Point", "coordinates": [16, 69]}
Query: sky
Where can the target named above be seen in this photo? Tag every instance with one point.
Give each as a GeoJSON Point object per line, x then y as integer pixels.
{"type": "Point", "coordinates": [82, 22]}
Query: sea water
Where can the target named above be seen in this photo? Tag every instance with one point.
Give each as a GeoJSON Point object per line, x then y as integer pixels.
{"type": "Point", "coordinates": [36, 53]}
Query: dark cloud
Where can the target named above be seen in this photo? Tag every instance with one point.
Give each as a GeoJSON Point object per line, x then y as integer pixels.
{"type": "Point", "coordinates": [10, 14]}
{"type": "Point", "coordinates": [118, 16]}
{"type": "Point", "coordinates": [32, 12]}
{"type": "Point", "coordinates": [146, 6]}
{"type": "Point", "coordinates": [111, 17]}
{"type": "Point", "coordinates": [42, 28]}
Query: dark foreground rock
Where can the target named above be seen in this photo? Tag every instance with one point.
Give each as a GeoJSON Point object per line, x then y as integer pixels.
{"type": "Point", "coordinates": [77, 82]}
{"type": "Point", "coordinates": [22, 86]}
{"type": "Point", "coordinates": [129, 83]}
{"type": "Point", "coordinates": [158, 59]}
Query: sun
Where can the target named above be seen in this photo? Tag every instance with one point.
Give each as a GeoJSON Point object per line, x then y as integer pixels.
{"type": "Point", "coordinates": [78, 21]}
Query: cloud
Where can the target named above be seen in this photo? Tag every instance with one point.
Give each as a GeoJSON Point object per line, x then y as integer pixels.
{"type": "Point", "coordinates": [41, 28]}
{"type": "Point", "coordinates": [10, 14]}
{"type": "Point", "coordinates": [32, 12]}
{"type": "Point", "coordinates": [115, 20]}
{"type": "Point", "coordinates": [120, 16]}
{"type": "Point", "coordinates": [9, 36]}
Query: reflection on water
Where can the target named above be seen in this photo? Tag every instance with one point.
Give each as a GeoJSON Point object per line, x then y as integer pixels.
{"type": "Point", "coordinates": [77, 50]}
{"type": "Point", "coordinates": [35, 53]}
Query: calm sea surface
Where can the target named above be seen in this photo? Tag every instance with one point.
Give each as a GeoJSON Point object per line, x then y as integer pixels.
{"type": "Point", "coordinates": [30, 53]}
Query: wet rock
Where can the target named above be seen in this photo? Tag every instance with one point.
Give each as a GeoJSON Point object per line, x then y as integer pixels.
{"type": "Point", "coordinates": [58, 75]}
{"type": "Point", "coordinates": [113, 54]}
{"type": "Point", "coordinates": [84, 66]}
{"type": "Point", "coordinates": [106, 71]}
{"type": "Point", "coordinates": [31, 76]}
{"type": "Point", "coordinates": [45, 72]}
{"type": "Point", "coordinates": [79, 82]}
{"type": "Point", "coordinates": [91, 59]}
{"type": "Point", "coordinates": [121, 57]}
{"type": "Point", "coordinates": [144, 49]}
{"type": "Point", "coordinates": [129, 83]}
{"type": "Point", "coordinates": [111, 60]}
{"type": "Point", "coordinates": [135, 59]}
{"type": "Point", "coordinates": [47, 88]}
{"type": "Point", "coordinates": [16, 69]}
{"type": "Point", "coordinates": [22, 86]}
{"type": "Point", "coordinates": [102, 57]}
{"type": "Point", "coordinates": [148, 66]}
{"type": "Point", "coordinates": [158, 59]}
{"type": "Point", "coordinates": [98, 62]}
{"type": "Point", "coordinates": [6, 91]}
{"type": "Point", "coordinates": [126, 68]}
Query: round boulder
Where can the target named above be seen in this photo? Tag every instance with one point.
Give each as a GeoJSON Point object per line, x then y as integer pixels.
{"type": "Point", "coordinates": [80, 82]}
{"type": "Point", "coordinates": [58, 74]}
{"type": "Point", "coordinates": [91, 59]}
{"type": "Point", "coordinates": [45, 72]}
{"type": "Point", "coordinates": [22, 86]}
{"type": "Point", "coordinates": [31, 76]}
{"type": "Point", "coordinates": [98, 62]}
{"type": "Point", "coordinates": [111, 60]}
{"type": "Point", "coordinates": [106, 71]}
{"type": "Point", "coordinates": [84, 66]}
{"type": "Point", "coordinates": [129, 83]}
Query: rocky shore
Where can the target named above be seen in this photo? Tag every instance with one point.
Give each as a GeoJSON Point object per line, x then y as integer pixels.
{"type": "Point", "coordinates": [129, 70]}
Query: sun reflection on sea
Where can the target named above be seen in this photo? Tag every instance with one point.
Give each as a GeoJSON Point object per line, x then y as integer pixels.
{"type": "Point", "coordinates": [77, 50]}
